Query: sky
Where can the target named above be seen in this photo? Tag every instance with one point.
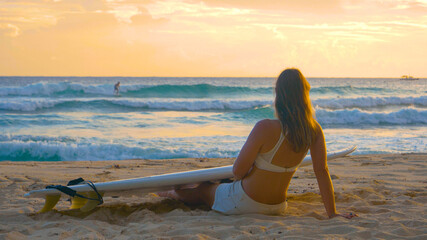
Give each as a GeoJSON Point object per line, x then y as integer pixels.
{"type": "Point", "coordinates": [213, 38]}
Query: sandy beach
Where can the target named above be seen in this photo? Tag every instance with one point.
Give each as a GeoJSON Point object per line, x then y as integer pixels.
{"type": "Point", "coordinates": [388, 192]}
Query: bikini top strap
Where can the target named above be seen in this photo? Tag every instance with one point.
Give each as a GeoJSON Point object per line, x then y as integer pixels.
{"type": "Point", "coordinates": [278, 144]}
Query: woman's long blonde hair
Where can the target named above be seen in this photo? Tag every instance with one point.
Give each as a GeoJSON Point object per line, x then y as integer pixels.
{"type": "Point", "coordinates": [294, 110]}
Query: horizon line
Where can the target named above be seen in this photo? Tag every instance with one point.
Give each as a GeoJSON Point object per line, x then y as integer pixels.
{"type": "Point", "coordinates": [179, 76]}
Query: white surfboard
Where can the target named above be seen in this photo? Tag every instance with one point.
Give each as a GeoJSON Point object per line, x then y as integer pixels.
{"type": "Point", "coordinates": [150, 184]}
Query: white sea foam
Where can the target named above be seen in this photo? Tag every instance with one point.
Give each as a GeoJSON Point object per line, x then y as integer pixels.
{"type": "Point", "coordinates": [69, 89]}
{"type": "Point", "coordinates": [357, 117]}
{"type": "Point", "coordinates": [369, 102]}
{"type": "Point", "coordinates": [193, 105]}
{"type": "Point", "coordinates": [181, 88]}
{"type": "Point", "coordinates": [80, 119]}
{"type": "Point", "coordinates": [68, 151]}
{"type": "Point", "coordinates": [28, 104]}
{"type": "Point", "coordinates": [48, 89]}
{"type": "Point", "coordinates": [41, 88]}
{"type": "Point", "coordinates": [41, 148]}
{"type": "Point", "coordinates": [32, 104]}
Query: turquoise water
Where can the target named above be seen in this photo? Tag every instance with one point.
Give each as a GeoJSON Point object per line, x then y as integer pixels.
{"type": "Point", "coordinates": [79, 118]}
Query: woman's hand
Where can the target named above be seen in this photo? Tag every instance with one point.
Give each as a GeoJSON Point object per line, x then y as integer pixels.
{"type": "Point", "coordinates": [344, 215]}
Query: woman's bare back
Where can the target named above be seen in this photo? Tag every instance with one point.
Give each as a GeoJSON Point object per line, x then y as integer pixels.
{"type": "Point", "coordinates": [266, 186]}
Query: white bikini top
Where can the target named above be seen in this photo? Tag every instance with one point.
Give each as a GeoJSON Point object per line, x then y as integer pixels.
{"type": "Point", "coordinates": [263, 160]}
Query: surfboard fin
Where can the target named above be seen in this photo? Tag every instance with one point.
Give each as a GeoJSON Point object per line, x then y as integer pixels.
{"type": "Point", "coordinates": [84, 204]}
{"type": "Point", "coordinates": [91, 204]}
{"type": "Point", "coordinates": [51, 201]}
{"type": "Point", "coordinates": [78, 202]}
{"type": "Point", "coordinates": [85, 201]}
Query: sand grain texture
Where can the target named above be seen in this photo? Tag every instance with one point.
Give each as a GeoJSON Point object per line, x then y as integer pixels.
{"type": "Point", "coordinates": [387, 191]}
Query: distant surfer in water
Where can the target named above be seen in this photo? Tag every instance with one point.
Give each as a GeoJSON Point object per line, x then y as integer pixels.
{"type": "Point", "coordinates": [269, 158]}
{"type": "Point", "coordinates": [116, 88]}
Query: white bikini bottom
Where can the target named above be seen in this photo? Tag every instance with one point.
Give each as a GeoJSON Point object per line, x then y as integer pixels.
{"type": "Point", "coordinates": [230, 198]}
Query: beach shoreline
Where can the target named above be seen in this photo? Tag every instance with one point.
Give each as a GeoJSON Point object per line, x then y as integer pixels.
{"type": "Point", "coordinates": [387, 191]}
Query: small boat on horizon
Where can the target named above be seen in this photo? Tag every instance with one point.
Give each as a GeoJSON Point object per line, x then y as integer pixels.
{"type": "Point", "coordinates": [408, 77]}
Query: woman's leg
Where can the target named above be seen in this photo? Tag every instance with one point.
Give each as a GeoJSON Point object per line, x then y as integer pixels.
{"type": "Point", "coordinates": [203, 194]}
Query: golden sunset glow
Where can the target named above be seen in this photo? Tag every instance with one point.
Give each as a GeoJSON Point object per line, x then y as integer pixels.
{"type": "Point", "coordinates": [330, 38]}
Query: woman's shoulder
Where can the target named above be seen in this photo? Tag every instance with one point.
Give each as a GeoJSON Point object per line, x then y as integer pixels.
{"type": "Point", "coordinates": [269, 125]}
{"type": "Point", "coordinates": [317, 128]}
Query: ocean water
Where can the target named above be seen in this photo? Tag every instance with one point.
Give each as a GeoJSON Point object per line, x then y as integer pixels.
{"type": "Point", "coordinates": [79, 118]}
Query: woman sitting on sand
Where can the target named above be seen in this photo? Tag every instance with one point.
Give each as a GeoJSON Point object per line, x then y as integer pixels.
{"type": "Point", "coordinates": [270, 157]}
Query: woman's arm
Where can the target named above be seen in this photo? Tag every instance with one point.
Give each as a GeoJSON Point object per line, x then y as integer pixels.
{"type": "Point", "coordinates": [250, 149]}
{"type": "Point", "coordinates": [320, 167]}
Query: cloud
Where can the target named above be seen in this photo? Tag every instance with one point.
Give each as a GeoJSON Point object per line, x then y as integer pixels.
{"type": "Point", "coordinates": [85, 21]}
{"type": "Point", "coordinates": [412, 6]}
{"type": "Point", "coordinates": [9, 29]}
{"type": "Point", "coordinates": [309, 6]}
{"type": "Point", "coordinates": [209, 37]}
{"type": "Point", "coordinates": [38, 14]}
{"type": "Point", "coordinates": [145, 18]}
{"type": "Point", "coordinates": [88, 5]}
{"type": "Point", "coordinates": [387, 7]}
